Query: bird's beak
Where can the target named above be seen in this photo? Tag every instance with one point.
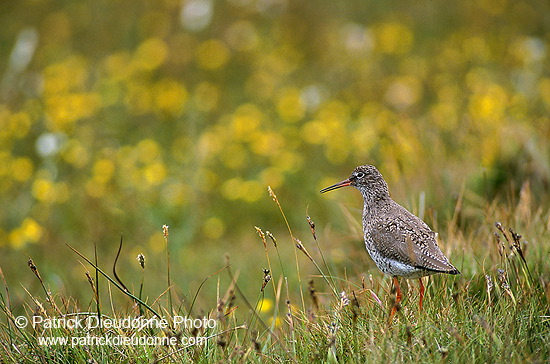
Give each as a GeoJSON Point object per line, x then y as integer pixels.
{"type": "Point", "coordinates": [344, 183]}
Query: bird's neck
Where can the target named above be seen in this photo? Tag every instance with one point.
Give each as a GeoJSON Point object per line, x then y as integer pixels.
{"type": "Point", "coordinates": [374, 202]}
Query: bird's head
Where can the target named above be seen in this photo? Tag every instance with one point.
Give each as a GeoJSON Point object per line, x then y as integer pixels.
{"type": "Point", "coordinates": [366, 179]}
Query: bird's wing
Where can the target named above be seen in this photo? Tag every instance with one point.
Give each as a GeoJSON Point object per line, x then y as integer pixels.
{"type": "Point", "coordinates": [408, 239]}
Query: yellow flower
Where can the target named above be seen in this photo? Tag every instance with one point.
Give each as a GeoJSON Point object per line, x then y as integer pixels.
{"type": "Point", "coordinates": [150, 55]}
{"type": "Point", "coordinates": [148, 150]}
{"type": "Point", "coordinates": [21, 169]}
{"type": "Point", "coordinates": [157, 243]}
{"type": "Point", "coordinates": [394, 38]}
{"type": "Point", "coordinates": [265, 305]}
{"type": "Point", "coordinates": [212, 54]}
{"type": "Point", "coordinates": [170, 96]}
{"type": "Point", "coordinates": [289, 105]}
{"type": "Point", "coordinates": [29, 232]}
{"type": "Point", "coordinates": [43, 190]}
{"type": "Point", "coordinates": [155, 173]}
{"type": "Point", "coordinates": [213, 228]}
{"type": "Point", "coordinates": [103, 170]}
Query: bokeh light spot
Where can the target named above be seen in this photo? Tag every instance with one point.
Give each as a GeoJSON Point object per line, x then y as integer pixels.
{"type": "Point", "coordinates": [22, 169]}
{"type": "Point", "coordinates": [103, 170]}
{"type": "Point", "coordinates": [213, 228]}
{"type": "Point", "coordinates": [150, 55]}
{"type": "Point", "coordinates": [289, 105]}
{"type": "Point", "coordinates": [394, 38]}
{"type": "Point", "coordinates": [196, 14]}
{"type": "Point", "coordinates": [170, 96]}
{"type": "Point", "coordinates": [212, 54]}
{"type": "Point", "coordinates": [43, 190]}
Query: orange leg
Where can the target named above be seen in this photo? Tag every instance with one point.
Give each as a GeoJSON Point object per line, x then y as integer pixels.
{"type": "Point", "coordinates": [421, 292]}
{"type": "Point", "coordinates": [398, 297]}
{"type": "Point", "coordinates": [398, 294]}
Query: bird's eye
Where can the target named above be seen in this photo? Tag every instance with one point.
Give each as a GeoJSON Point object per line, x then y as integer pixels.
{"type": "Point", "coordinates": [360, 175]}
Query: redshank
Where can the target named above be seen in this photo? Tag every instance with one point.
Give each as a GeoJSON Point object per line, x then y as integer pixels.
{"type": "Point", "coordinates": [400, 243]}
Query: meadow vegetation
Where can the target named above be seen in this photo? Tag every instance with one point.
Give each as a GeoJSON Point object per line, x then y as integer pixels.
{"type": "Point", "coordinates": [497, 310]}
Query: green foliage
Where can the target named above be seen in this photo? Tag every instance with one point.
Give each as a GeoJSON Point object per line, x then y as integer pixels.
{"type": "Point", "coordinates": [190, 117]}
{"type": "Point", "coordinates": [498, 308]}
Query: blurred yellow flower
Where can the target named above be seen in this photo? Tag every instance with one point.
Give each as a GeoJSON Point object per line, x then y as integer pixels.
{"type": "Point", "coordinates": [265, 305]}
{"type": "Point", "coordinates": [330, 129]}
{"type": "Point", "coordinates": [29, 232]}
{"type": "Point", "coordinates": [272, 177]}
{"type": "Point", "coordinates": [245, 121]}
{"type": "Point", "coordinates": [67, 76]}
{"type": "Point", "coordinates": [157, 243]}
{"type": "Point", "coordinates": [313, 132]}
{"type": "Point", "coordinates": [94, 189]}
{"type": "Point", "coordinates": [16, 239]}
{"type": "Point", "coordinates": [170, 96]}
{"type": "Point", "coordinates": [213, 228]}
{"type": "Point", "coordinates": [116, 65]}
{"type": "Point", "coordinates": [64, 110]}
{"type": "Point", "coordinates": [150, 55]}
{"type": "Point", "coordinates": [22, 169]}
{"type": "Point", "coordinates": [267, 143]}
{"type": "Point", "coordinates": [404, 92]}
{"type": "Point", "coordinates": [237, 188]}
{"type": "Point", "coordinates": [212, 54]}
{"type": "Point", "coordinates": [148, 150]}
{"type": "Point", "coordinates": [103, 170]}
{"type": "Point", "coordinates": [287, 161]}
{"type": "Point", "coordinates": [394, 38]}
{"type": "Point", "coordinates": [75, 153]}
{"type": "Point", "coordinates": [489, 105]}
{"type": "Point", "coordinates": [231, 188]}
{"type": "Point", "coordinates": [289, 105]}
{"type": "Point", "coordinates": [252, 191]}
{"type": "Point", "coordinates": [43, 190]}
{"type": "Point", "coordinates": [155, 173]}
{"type": "Point", "coordinates": [275, 322]}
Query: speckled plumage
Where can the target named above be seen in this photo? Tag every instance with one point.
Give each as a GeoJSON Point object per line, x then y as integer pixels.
{"type": "Point", "coordinates": [398, 242]}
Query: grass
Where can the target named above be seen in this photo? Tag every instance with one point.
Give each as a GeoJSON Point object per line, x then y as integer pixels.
{"type": "Point", "coordinates": [497, 310]}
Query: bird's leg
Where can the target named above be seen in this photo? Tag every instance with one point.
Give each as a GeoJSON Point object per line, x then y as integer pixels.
{"type": "Point", "coordinates": [398, 294]}
{"type": "Point", "coordinates": [398, 297]}
{"type": "Point", "coordinates": [421, 292]}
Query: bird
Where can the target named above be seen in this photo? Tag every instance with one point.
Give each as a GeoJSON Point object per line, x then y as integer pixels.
{"type": "Point", "coordinates": [399, 242]}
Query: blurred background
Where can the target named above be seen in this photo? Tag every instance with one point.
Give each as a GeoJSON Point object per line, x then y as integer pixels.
{"type": "Point", "coordinates": [117, 117]}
